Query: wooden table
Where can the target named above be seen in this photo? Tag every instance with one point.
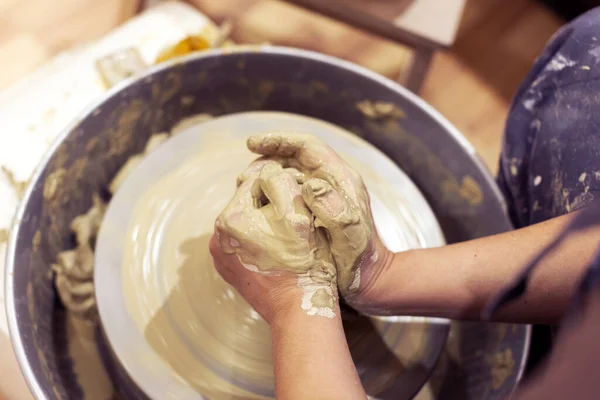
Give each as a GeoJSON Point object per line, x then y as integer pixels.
{"type": "Point", "coordinates": [423, 25]}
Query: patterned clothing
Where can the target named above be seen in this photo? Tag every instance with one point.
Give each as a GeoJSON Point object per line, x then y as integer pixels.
{"type": "Point", "coordinates": [550, 162]}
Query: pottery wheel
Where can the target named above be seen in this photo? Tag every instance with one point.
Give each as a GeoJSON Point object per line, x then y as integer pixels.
{"type": "Point", "coordinates": [178, 329]}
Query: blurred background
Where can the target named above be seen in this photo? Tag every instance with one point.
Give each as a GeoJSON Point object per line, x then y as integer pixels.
{"type": "Point", "coordinates": [471, 82]}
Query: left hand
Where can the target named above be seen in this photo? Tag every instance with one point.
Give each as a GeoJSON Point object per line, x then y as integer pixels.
{"type": "Point", "coordinates": [267, 247]}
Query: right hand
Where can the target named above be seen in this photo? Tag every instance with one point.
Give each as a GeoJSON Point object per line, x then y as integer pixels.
{"type": "Point", "coordinates": [337, 196]}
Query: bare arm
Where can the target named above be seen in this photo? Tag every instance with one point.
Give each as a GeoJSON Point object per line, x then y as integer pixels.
{"type": "Point", "coordinates": [457, 281]}
{"type": "Point", "coordinates": [273, 255]}
{"type": "Point", "coordinates": [311, 358]}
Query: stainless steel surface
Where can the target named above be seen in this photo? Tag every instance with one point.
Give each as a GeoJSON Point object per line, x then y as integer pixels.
{"type": "Point", "coordinates": [425, 145]}
{"type": "Point", "coordinates": [414, 226]}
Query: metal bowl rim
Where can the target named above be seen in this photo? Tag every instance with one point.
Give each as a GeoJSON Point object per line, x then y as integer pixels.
{"type": "Point", "coordinates": [10, 306]}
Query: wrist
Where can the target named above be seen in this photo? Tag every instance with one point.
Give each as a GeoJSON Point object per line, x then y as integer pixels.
{"type": "Point", "coordinates": [411, 283]}
{"type": "Point", "coordinates": [283, 302]}
{"type": "Point", "coordinates": [293, 316]}
{"type": "Point", "coordinates": [312, 303]}
{"type": "Point", "coordinates": [374, 280]}
{"type": "Point", "coordinates": [376, 273]}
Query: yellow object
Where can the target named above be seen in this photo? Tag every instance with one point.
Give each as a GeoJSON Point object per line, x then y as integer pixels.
{"type": "Point", "coordinates": [188, 45]}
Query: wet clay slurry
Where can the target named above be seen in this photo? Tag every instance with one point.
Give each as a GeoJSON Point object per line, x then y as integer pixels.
{"type": "Point", "coordinates": [210, 338]}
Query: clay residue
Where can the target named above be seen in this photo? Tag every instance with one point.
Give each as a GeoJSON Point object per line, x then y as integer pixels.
{"type": "Point", "coordinates": [4, 234]}
{"type": "Point", "coordinates": [87, 363]}
{"type": "Point", "coordinates": [74, 269]}
{"type": "Point", "coordinates": [468, 190]}
{"type": "Point", "coordinates": [36, 241]}
{"type": "Point", "coordinates": [502, 366]}
{"type": "Point", "coordinates": [124, 121]}
{"type": "Point", "coordinates": [462, 196]}
{"type": "Point", "coordinates": [18, 186]}
{"type": "Point", "coordinates": [201, 328]}
{"type": "Point", "coordinates": [187, 100]}
{"type": "Point", "coordinates": [296, 246]}
{"type": "Point", "coordinates": [47, 365]}
{"type": "Point", "coordinates": [345, 212]}
{"type": "Point", "coordinates": [53, 182]}
{"type": "Point", "coordinates": [319, 301]}
{"type": "Point", "coordinates": [335, 193]}
{"type": "Point", "coordinates": [154, 141]}
{"type": "Point", "coordinates": [380, 109]}
{"type": "Point", "coordinates": [471, 191]}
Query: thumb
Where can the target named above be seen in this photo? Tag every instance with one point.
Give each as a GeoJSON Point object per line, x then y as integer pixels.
{"type": "Point", "coordinates": [349, 238]}
{"type": "Point", "coordinates": [328, 206]}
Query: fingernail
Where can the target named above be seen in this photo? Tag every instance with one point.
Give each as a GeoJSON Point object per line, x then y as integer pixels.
{"type": "Point", "coordinates": [251, 142]}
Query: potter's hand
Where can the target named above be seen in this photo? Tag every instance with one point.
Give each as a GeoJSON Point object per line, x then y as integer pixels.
{"type": "Point", "coordinates": [338, 198]}
{"type": "Point", "coordinates": [276, 258]}
{"type": "Point", "coordinates": [267, 247]}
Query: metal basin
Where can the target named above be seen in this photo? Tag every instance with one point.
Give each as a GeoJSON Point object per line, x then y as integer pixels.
{"type": "Point", "coordinates": [480, 360]}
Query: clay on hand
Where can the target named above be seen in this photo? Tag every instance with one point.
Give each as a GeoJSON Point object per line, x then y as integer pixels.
{"type": "Point", "coordinates": [271, 231]}
{"type": "Point", "coordinates": [74, 269]}
{"type": "Point", "coordinates": [338, 198]}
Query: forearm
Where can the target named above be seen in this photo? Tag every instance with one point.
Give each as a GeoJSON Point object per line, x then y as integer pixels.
{"type": "Point", "coordinates": [458, 281]}
{"type": "Point", "coordinates": [311, 358]}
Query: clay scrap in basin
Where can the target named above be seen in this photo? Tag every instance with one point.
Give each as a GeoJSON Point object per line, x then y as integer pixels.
{"type": "Point", "coordinates": [74, 268]}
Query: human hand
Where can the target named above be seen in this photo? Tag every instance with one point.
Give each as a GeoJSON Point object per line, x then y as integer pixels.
{"type": "Point", "coordinates": [267, 247]}
{"type": "Point", "coordinates": [338, 198]}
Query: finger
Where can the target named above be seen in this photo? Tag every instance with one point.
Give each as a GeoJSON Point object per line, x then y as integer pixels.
{"type": "Point", "coordinates": [286, 163]}
{"type": "Point", "coordinates": [229, 266]}
{"type": "Point", "coordinates": [220, 258]}
{"type": "Point", "coordinates": [216, 244]}
{"type": "Point", "coordinates": [306, 149]}
{"type": "Point", "coordinates": [249, 194]}
{"type": "Point", "coordinates": [246, 197]}
{"type": "Point", "coordinates": [277, 144]}
{"type": "Point", "coordinates": [213, 245]}
{"type": "Point", "coordinates": [254, 168]}
{"type": "Point", "coordinates": [282, 190]}
{"type": "Point", "coordinates": [328, 206]}
{"type": "Point", "coordinates": [220, 241]}
{"type": "Point", "coordinates": [300, 177]}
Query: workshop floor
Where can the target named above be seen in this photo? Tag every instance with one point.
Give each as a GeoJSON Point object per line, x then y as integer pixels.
{"type": "Point", "coordinates": [471, 84]}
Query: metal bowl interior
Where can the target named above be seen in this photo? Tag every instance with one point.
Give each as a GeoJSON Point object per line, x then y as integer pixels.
{"type": "Point", "coordinates": [434, 155]}
{"type": "Point", "coordinates": [370, 341]}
